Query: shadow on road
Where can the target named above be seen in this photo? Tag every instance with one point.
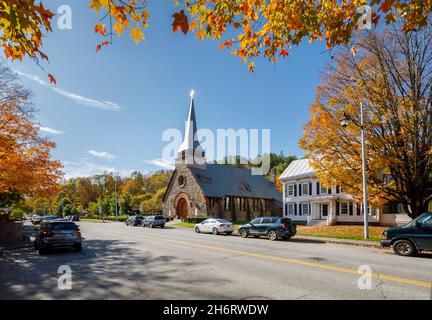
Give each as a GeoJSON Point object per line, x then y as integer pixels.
{"type": "Point", "coordinates": [105, 269]}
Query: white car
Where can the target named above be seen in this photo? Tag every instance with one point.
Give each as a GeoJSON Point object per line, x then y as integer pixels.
{"type": "Point", "coordinates": [215, 226]}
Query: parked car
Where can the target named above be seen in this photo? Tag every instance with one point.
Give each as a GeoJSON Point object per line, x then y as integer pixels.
{"type": "Point", "coordinates": [215, 226]}
{"type": "Point", "coordinates": [36, 219]}
{"type": "Point", "coordinates": [154, 221]}
{"type": "Point", "coordinates": [58, 234]}
{"type": "Point", "coordinates": [73, 217]}
{"type": "Point", "coordinates": [49, 218]}
{"type": "Point", "coordinates": [412, 238]}
{"type": "Point", "coordinates": [272, 227]}
{"type": "Point", "coordinates": [134, 221]}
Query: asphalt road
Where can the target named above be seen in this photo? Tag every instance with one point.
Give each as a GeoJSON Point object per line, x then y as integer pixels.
{"type": "Point", "coordinates": [120, 262]}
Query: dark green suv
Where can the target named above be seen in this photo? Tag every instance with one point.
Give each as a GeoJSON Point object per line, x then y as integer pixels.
{"type": "Point", "coordinates": [411, 239]}
{"type": "Point", "coordinates": [272, 227]}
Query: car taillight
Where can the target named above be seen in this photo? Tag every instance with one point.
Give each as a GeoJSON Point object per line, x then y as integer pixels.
{"type": "Point", "coordinates": [77, 230]}
{"type": "Point", "coordinates": [282, 225]}
{"type": "Point", "coordinates": [47, 233]}
{"type": "Point", "coordinates": [222, 225]}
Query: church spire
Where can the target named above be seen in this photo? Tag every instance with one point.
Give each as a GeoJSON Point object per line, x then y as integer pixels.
{"type": "Point", "coordinates": [190, 151]}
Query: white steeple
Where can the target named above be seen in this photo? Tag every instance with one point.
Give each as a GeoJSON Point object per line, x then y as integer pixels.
{"type": "Point", "coordinates": [190, 152]}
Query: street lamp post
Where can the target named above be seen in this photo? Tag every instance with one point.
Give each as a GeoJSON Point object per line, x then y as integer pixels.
{"type": "Point", "coordinates": [344, 122]}
{"type": "Point", "coordinates": [115, 190]}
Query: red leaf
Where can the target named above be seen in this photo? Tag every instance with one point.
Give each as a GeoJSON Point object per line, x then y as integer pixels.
{"type": "Point", "coordinates": [99, 46]}
{"type": "Point", "coordinates": [283, 53]}
{"type": "Point", "coordinates": [52, 79]}
{"type": "Point", "coordinates": [180, 22]}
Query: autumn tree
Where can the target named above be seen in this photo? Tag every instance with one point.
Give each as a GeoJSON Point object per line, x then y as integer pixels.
{"type": "Point", "coordinates": [247, 28]}
{"type": "Point", "coordinates": [26, 167]}
{"type": "Point", "coordinates": [391, 74]}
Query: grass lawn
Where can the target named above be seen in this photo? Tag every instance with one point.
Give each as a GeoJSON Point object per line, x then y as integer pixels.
{"type": "Point", "coordinates": [341, 232]}
{"type": "Point", "coordinates": [92, 220]}
{"type": "Point", "coordinates": [185, 224]}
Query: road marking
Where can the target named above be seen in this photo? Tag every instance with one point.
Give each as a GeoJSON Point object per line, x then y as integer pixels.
{"type": "Point", "coordinates": [291, 261]}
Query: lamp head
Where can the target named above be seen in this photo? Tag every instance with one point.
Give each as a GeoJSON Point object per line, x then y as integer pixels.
{"type": "Point", "coordinates": [345, 120]}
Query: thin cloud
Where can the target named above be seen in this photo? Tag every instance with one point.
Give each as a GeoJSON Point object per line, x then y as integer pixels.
{"type": "Point", "coordinates": [83, 168]}
{"type": "Point", "coordinates": [161, 163]}
{"type": "Point", "coordinates": [101, 154]}
{"type": "Point", "coordinates": [51, 130]}
{"type": "Point", "coordinates": [101, 105]}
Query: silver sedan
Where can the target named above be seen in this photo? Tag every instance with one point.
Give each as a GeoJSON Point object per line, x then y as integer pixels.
{"type": "Point", "coordinates": [215, 226]}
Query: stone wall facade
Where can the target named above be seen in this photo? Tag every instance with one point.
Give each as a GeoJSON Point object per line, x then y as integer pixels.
{"type": "Point", "coordinates": [189, 190]}
{"type": "Point", "coordinates": [184, 186]}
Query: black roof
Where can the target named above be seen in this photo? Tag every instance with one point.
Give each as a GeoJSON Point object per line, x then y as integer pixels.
{"type": "Point", "coordinates": [220, 180]}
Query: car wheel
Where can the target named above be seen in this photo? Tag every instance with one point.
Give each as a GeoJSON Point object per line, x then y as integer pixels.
{"type": "Point", "coordinates": [243, 233]}
{"type": "Point", "coordinates": [272, 235]}
{"type": "Point", "coordinates": [78, 247]}
{"type": "Point", "coordinates": [404, 248]}
{"type": "Point", "coordinates": [162, 227]}
{"type": "Point", "coordinates": [215, 231]}
{"type": "Point", "coordinates": [197, 230]}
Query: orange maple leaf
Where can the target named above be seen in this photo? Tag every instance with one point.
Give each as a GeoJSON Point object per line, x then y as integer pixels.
{"type": "Point", "coordinates": [100, 28]}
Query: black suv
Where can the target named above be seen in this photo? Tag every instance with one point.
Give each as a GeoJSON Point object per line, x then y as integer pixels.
{"type": "Point", "coordinates": [411, 239]}
{"type": "Point", "coordinates": [154, 221]}
{"type": "Point", "coordinates": [272, 227]}
{"type": "Point", "coordinates": [134, 221]}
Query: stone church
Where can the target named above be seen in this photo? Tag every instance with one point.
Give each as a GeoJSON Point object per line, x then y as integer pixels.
{"type": "Point", "coordinates": [202, 190]}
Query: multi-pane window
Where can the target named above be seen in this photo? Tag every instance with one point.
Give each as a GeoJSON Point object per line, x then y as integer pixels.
{"type": "Point", "coordinates": [323, 190]}
{"type": "Point", "coordinates": [305, 209]}
{"type": "Point", "coordinates": [344, 208]}
{"type": "Point", "coordinates": [290, 208]}
{"type": "Point", "coordinates": [290, 190]}
{"type": "Point", "coordinates": [305, 188]}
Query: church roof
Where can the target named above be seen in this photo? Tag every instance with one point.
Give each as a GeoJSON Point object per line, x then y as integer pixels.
{"type": "Point", "coordinates": [219, 180]}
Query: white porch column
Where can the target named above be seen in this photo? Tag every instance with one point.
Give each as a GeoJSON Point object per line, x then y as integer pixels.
{"type": "Point", "coordinates": [284, 198]}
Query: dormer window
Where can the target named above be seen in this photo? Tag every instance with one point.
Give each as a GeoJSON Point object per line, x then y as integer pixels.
{"type": "Point", "coordinates": [204, 179]}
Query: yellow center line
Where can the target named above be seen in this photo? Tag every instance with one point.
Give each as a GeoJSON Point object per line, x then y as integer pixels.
{"type": "Point", "coordinates": [294, 261]}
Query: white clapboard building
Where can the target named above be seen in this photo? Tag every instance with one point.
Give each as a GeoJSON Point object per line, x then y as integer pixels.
{"type": "Point", "coordinates": [306, 201]}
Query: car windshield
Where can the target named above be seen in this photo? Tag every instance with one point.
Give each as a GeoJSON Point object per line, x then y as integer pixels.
{"type": "Point", "coordinates": [159, 218]}
{"type": "Point", "coordinates": [424, 218]}
{"type": "Point", "coordinates": [61, 226]}
{"type": "Point", "coordinates": [222, 221]}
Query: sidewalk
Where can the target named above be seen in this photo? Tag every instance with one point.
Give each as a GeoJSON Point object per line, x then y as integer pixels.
{"type": "Point", "coordinates": [360, 243]}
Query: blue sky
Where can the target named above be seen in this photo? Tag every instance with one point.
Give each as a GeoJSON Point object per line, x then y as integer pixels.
{"type": "Point", "coordinates": [111, 108]}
